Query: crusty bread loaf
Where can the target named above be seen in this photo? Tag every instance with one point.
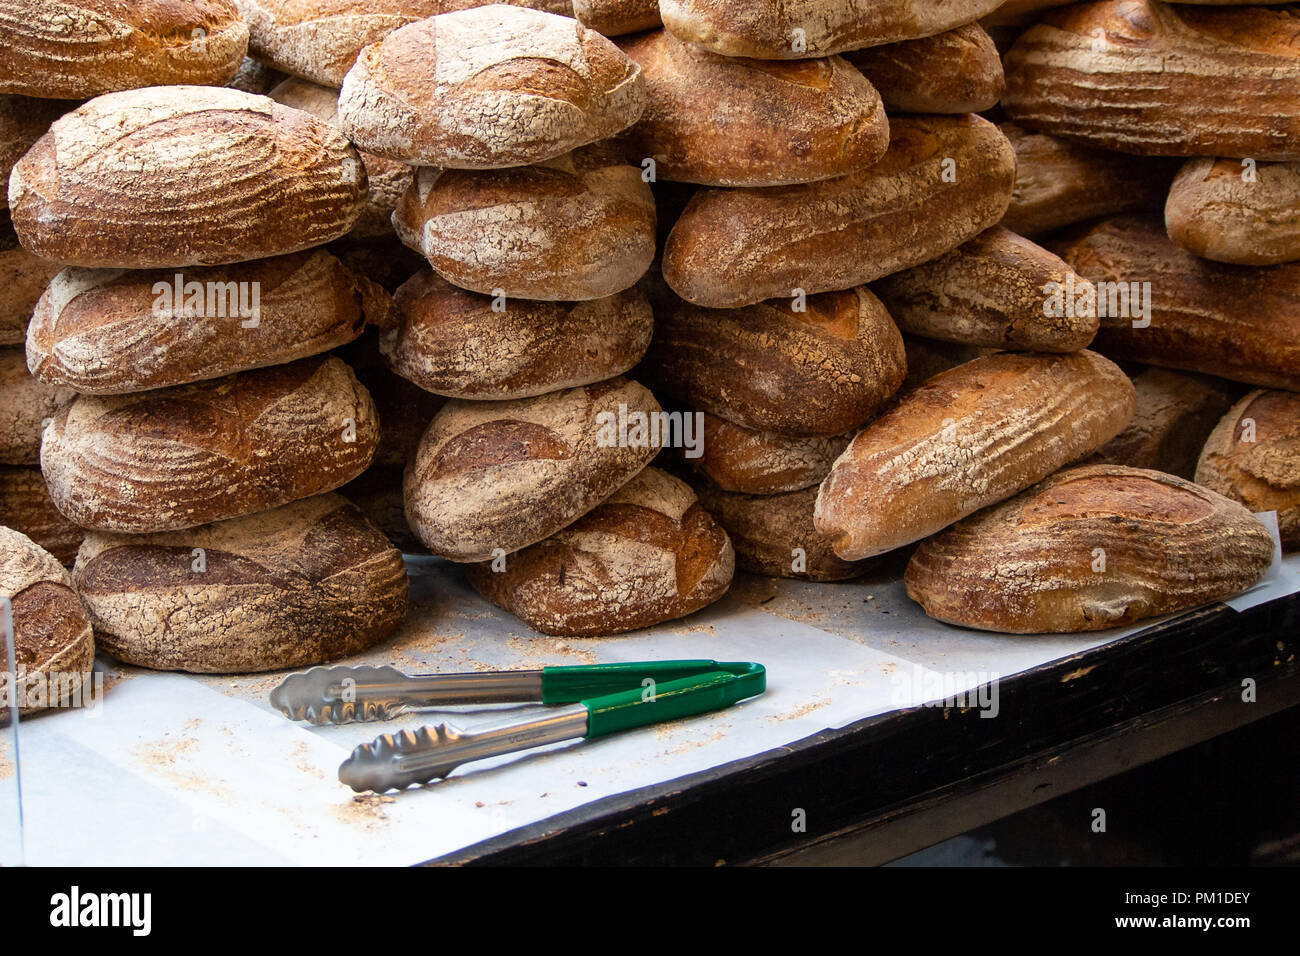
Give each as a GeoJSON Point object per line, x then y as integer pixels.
{"type": "Point", "coordinates": [25, 506]}
{"type": "Point", "coordinates": [774, 535]}
{"type": "Point", "coordinates": [191, 455]}
{"type": "Point", "coordinates": [1059, 182]}
{"type": "Point", "coordinates": [1236, 211]}
{"type": "Point", "coordinates": [957, 71]}
{"type": "Point", "coordinates": [1175, 415]}
{"type": "Point", "coordinates": [184, 175]}
{"type": "Point", "coordinates": [797, 29]}
{"type": "Point", "coordinates": [1088, 549]}
{"type": "Point", "coordinates": [74, 49]}
{"type": "Point", "coordinates": [820, 371]}
{"type": "Point", "coordinates": [388, 178]}
{"type": "Point", "coordinates": [726, 121]}
{"type": "Point", "coordinates": [578, 227]}
{"type": "Point", "coordinates": [617, 17]}
{"type": "Point", "coordinates": [967, 439]}
{"type": "Point", "coordinates": [23, 277]}
{"type": "Point", "coordinates": [105, 332]}
{"type": "Point", "coordinates": [1253, 456]}
{"type": "Point", "coordinates": [455, 343]}
{"type": "Point", "coordinates": [1139, 76]}
{"type": "Point", "coordinates": [26, 405]}
{"type": "Point", "coordinates": [23, 120]}
{"type": "Point", "coordinates": [498, 476]}
{"type": "Point", "coordinates": [254, 76]}
{"type": "Point", "coordinates": [303, 584]}
{"type": "Point", "coordinates": [944, 180]}
{"type": "Point", "coordinates": [994, 290]}
{"type": "Point", "coordinates": [745, 460]}
{"type": "Point", "coordinates": [319, 39]}
{"type": "Point", "coordinates": [486, 88]}
{"type": "Point", "coordinates": [1234, 322]}
{"type": "Point", "coordinates": [649, 553]}
{"type": "Point", "coordinates": [53, 642]}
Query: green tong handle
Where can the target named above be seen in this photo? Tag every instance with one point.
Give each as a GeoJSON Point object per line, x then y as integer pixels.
{"type": "Point", "coordinates": [569, 685]}
{"type": "Point", "coordinates": [671, 699]}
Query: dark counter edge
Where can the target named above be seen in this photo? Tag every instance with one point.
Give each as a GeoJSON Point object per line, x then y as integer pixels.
{"type": "Point", "coordinates": [861, 778]}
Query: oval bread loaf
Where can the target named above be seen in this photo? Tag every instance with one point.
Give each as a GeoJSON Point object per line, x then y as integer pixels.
{"type": "Point", "coordinates": [578, 227]}
{"type": "Point", "coordinates": [75, 49]}
{"type": "Point", "coordinates": [26, 406]}
{"type": "Point", "coordinates": [797, 29]}
{"type": "Point", "coordinates": [617, 17]}
{"type": "Point", "coordinates": [106, 332]}
{"type": "Point", "coordinates": [53, 642]}
{"type": "Point", "coordinates": [1167, 307]}
{"type": "Point", "coordinates": [302, 584]}
{"type": "Point", "coordinates": [1032, 565]}
{"type": "Point", "coordinates": [184, 175]}
{"type": "Point", "coordinates": [498, 476]}
{"type": "Point", "coordinates": [967, 439]}
{"type": "Point", "coordinates": [23, 278]}
{"type": "Point", "coordinates": [23, 120]}
{"type": "Point", "coordinates": [1236, 211]}
{"type": "Point", "coordinates": [944, 180]}
{"type": "Point", "coordinates": [774, 535]}
{"type": "Point", "coordinates": [25, 506]}
{"type": "Point", "coordinates": [736, 458]}
{"type": "Point", "coordinates": [487, 88]}
{"type": "Point", "coordinates": [820, 371]}
{"type": "Point", "coordinates": [998, 290]}
{"type": "Point", "coordinates": [1059, 182]}
{"type": "Point", "coordinates": [724, 121]}
{"type": "Point", "coordinates": [456, 343]}
{"type": "Point", "coordinates": [1253, 456]}
{"type": "Point", "coordinates": [957, 71]}
{"type": "Point", "coordinates": [191, 455]}
{"type": "Point", "coordinates": [1159, 79]}
{"type": "Point", "coordinates": [649, 553]}
{"type": "Point", "coordinates": [319, 40]}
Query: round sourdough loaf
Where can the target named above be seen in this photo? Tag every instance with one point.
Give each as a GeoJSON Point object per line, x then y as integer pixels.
{"type": "Point", "coordinates": [1160, 79]}
{"type": "Point", "coordinates": [489, 87]}
{"type": "Point", "coordinates": [1175, 415]}
{"type": "Point", "coordinates": [724, 121]}
{"type": "Point", "coordinates": [1059, 183]}
{"type": "Point", "coordinates": [1234, 211]}
{"type": "Point", "coordinates": [23, 277]}
{"type": "Point", "coordinates": [944, 180]}
{"type": "Point", "coordinates": [966, 439]}
{"type": "Point", "coordinates": [25, 506]}
{"type": "Point", "coordinates": [184, 175]}
{"type": "Point", "coordinates": [798, 29]}
{"type": "Point", "coordinates": [191, 455]}
{"type": "Point", "coordinates": [1200, 316]}
{"type": "Point", "coordinates": [647, 554]}
{"type": "Point", "coordinates": [490, 478]}
{"type": "Point", "coordinates": [617, 17]}
{"type": "Point", "coordinates": [105, 331]}
{"type": "Point", "coordinates": [995, 290]}
{"type": "Point", "coordinates": [53, 643]}
{"type": "Point", "coordinates": [820, 366]}
{"type": "Point", "coordinates": [1253, 456]}
{"type": "Point", "coordinates": [774, 535]}
{"type": "Point", "coordinates": [74, 49]}
{"type": "Point", "coordinates": [754, 462]}
{"type": "Point", "coordinates": [302, 584]}
{"type": "Point", "coordinates": [320, 39]}
{"type": "Point", "coordinates": [26, 407]}
{"type": "Point", "coordinates": [957, 71]}
{"type": "Point", "coordinates": [388, 178]}
{"type": "Point", "coordinates": [578, 227]}
{"type": "Point", "coordinates": [1088, 549]}
{"type": "Point", "coordinates": [23, 120]}
{"type": "Point", "coordinates": [461, 344]}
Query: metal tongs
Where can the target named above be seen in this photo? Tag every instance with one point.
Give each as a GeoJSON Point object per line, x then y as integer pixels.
{"type": "Point", "coordinates": [601, 699]}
